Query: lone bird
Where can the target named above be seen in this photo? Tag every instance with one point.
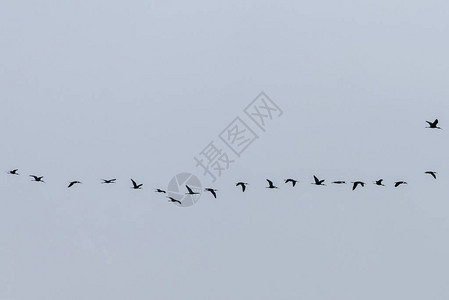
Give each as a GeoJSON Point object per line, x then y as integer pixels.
{"type": "Point", "coordinates": [398, 183]}
{"type": "Point", "coordinates": [379, 182]}
{"type": "Point", "coordinates": [160, 191]}
{"type": "Point", "coordinates": [190, 191]}
{"type": "Point", "coordinates": [271, 185]}
{"type": "Point", "coordinates": [136, 186]}
{"type": "Point", "coordinates": [174, 200]}
{"type": "Point", "coordinates": [318, 181]}
{"type": "Point", "coordinates": [72, 183]}
{"type": "Point", "coordinates": [432, 173]}
{"type": "Point", "coordinates": [13, 172]}
{"type": "Point", "coordinates": [37, 178]}
{"type": "Point", "coordinates": [293, 181]}
{"type": "Point", "coordinates": [243, 185]}
{"type": "Point", "coordinates": [339, 182]}
{"type": "Point", "coordinates": [212, 191]}
{"type": "Point", "coordinates": [108, 181]}
{"type": "Point", "coordinates": [357, 183]}
{"type": "Point", "coordinates": [433, 124]}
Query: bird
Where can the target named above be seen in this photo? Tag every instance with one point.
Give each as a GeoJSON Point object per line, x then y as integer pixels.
{"type": "Point", "coordinates": [212, 191]}
{"type": "Point", "coordinates": [271, 185]}
{"type": "Point", "coordinates": [136, 186]}
{"type": "Point", "coordinates": [293, 181]}
{"type": "Point", "coordinates": [190, 192]}
{"type": "Point", "coordinates": [398, 183]}
{"type": "Point", "coordinates": [357, 183]}
{"type": "Point", "coordinates": [13, 172]}
{"type": "Point", "coordinates": [174, 200]}
{"type": "Point", "coordinates": [318, 181]}
{"type": "Point", "coordinates": [160, 191]}
{"type": "Point", "coordinates": [37, 178]}
{"type": "Point", "coordinates": [432, 173]}
{"type": "Point", "coordinates": [339, 182]}
{"type": "Point", "coordinates": [379, 182]}
{"type": "Point", "coordinates": [107, 181]}
{"type": "Point", "coordinates": [243, 185]}
{"type": "Point", "coordinates": [72, 183]}
{"type": "Point", "coordinates": [433, 124]}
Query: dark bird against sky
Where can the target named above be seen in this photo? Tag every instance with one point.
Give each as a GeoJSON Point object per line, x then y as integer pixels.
{"type": "Point", "coordinates": [243, 185]}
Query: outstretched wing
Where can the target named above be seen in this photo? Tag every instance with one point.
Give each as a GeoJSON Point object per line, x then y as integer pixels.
{"type": "Point", "coordinates": [134, 183]}
{"type": "Point", "coordinates": [189, 189]}
{"type": "Point", "coordinates": [317, 181]}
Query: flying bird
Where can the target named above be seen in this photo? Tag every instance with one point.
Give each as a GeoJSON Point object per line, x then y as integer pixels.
{"type": "Point", "coordinates": [174, 200]}
{"type": "Point", "coordinates": [72, 183]}
{"type": "Point", "coordinates": [318, 181]}
{"type": "Point", "coordinates": [243, 185]}
{"type": "Point", "coordinates": [271, 185]}
{"type": "Point", "coordinates": [432, 173]}
{"type": "Point", "coordinates": [433, 124]}
{"type": "Point", "coordinates": [160, 191]}
{"type": "Point", "coordinates": [37, 178]}
{"type": "Point", "coordinates": [398, 183]}
{"type": "Point", "coordinates": [379, 182]}
{"type": "Point", "coordinates": [107, 181]}
{"type": "Point", "coordinates": [212, 191]}
{"type": "Point", "coordinates": [136, 186]}
{"type": "Point", "coordinates": [293, 181]}
{"type": "Point", "coordinates": [190, 191]}
{"type": "Point", "coordinates": [339, 182]}
{"type": "Point", "coordinates": [357, 183]}
{"type": "Point", "coordinates": [13, 172]}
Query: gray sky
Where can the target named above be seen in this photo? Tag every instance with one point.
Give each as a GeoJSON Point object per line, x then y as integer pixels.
{"type": "Point", "coordinates": [125, 89]}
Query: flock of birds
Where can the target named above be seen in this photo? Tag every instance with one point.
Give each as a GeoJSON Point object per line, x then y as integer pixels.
{"type": "Point", "coordinates": [242, 185]}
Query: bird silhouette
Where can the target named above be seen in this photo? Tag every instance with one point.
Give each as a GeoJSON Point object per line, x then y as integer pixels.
{"type": "Point", "coordinates": [293, 181]}
{"type": "Point", "coordinates": [271, 185]}
{"type": "Point", "coordinates": [160, 191]}
{"type": "Point", "coordinates": [190, 191]}
{"type": "Point", "coordinates": [433, 124]}
{"type": "Point", "coordinates": [108, 181]}
{"type": "Point", "coordinates": [243, 185]}
{"type": "Point", "coordinates": [318, 181]}
{"type": "Point", "coordinates": [357, 183]}
{"type": "Point", "coordinates": [13, 172]}
{"type": "Point", "coordinates": [432, 173]}
{"type": "Point", "coordinates": [339, 182]}
{"type": "Point", "coordinates": [379, 182]}
{"type": "Point", "coordinates": [37, 178]}
{"type": "Point", "coordinates": [398, 183]}
{"type": "Point", "coordinates": [212, 191]}
{"type": "Point", "coordinates": [136, 186]}
{"type": "Point", "coordinates": [72, 183]}
{"type": "Point", "coordinates": [174, 200]}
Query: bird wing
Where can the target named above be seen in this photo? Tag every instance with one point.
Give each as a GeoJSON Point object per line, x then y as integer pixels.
{"type": "Point", "coordinates": [270, 182]}
{"type": "Point", "coordinates": [243, 187]}
{"type": "Point", "coordinates": [189, 189]}
{"type": "Point", "coordinates": [213, 193]}
{"type": "Point", "coordinates": [435, 122]}
{"type": "Point", "coordinates": [317, 181]}
{"type": "Point", "coordinates": [134, 183]}
{"type": "Point", "coordinates": [354, 185]}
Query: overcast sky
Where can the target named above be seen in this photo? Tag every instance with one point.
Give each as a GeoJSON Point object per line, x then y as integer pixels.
{"type": "Point", "coordinates": [137, 89]}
